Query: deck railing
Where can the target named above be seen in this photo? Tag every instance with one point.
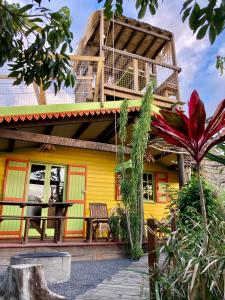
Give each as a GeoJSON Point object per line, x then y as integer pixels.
{"type": "Point", "coordinates": [118, 73]}
{"type": "Point", "coordinates": [132, 73]}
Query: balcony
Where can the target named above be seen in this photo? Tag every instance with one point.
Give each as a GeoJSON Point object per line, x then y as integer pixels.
{"type": "Point", "coordinates": [117, 75]}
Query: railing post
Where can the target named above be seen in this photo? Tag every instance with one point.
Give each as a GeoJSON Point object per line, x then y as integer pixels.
{"type": "Point", "coordinates": [152, 258]}
{"type": "Point", "coordinates": [174, 59]}
{"type": "Point", "coordinates": [147, 73]}
{"type": "Point", "coordinates": [102, 96]}
{"type": "Point", "coordinates": [135, 62]}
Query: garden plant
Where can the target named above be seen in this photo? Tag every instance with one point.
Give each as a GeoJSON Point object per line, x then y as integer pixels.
{"type": "Point", "coordinates": [194, 255]}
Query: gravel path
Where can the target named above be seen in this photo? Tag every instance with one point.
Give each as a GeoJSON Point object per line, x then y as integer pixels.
{"type": "Point", "coordinates": [85, 275]}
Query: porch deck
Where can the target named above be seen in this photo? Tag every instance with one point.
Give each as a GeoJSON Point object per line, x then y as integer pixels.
{"type": "Point", "coordinates": [78, 248]}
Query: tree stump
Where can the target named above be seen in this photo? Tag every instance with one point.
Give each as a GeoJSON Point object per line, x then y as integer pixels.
{"type": "Point", "coordinates": [26, 282]}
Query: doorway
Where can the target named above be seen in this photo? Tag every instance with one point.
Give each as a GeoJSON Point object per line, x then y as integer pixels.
{"type": "Point", "coordinates": [46, 184]}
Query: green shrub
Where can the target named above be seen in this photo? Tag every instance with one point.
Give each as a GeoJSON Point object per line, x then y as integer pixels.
{"type": "Point", "coordinates": [118, 225]}
{"type": "Point", "coordinates": [185, 268]}
{"type": "Point", "coordinates": [188, 201]}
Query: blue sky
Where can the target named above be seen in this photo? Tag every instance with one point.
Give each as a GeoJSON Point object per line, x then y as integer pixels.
{"type": "Point", "coordinates": [196, 58]}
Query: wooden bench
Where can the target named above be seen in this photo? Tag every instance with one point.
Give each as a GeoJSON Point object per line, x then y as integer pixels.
{"type": "Point", "coordinates": [98, 215]}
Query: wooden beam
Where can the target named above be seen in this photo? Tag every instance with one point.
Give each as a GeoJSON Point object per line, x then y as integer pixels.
{"type": "Point", "coordinates": [110, 131]}
{"type": "Point", "coordinates": [174, 58]}
{"type": "Point", "coordinates": [118, 37]}
{"type": "Point", "coordinates": [102, 136]}
{"type": "Point", "coordinates": [81, 130]}
{"type": "Point", "coordinates": [11, 146]}
{"type": "Point", "coordinates": [12, 143]}
{"type": "Point", "coordinates": [98, 81]}
{"type": "Point", "coordinates": [159, 49]}
{"type": "Point", "coordinates": [101, 50]}
{"type": "Point", "coordinates": [139, 43]}
{"type": "Point", "coordinates": [57, 140]}
{"type": "Point", "coordinates": [133, 33]}
{"type": "Point", "coordinates": [161, 155]}
{"type": "Point", "coordinates": [86, 58]}
{"type": "Point", "coordinates": [49, 129]}
{"type": "Point", "coordinates": [150, 32]}
{"type": "Point", "coordinates": [149, 47]}
{"type": "Point", "coordinates": [156, 62]}
{"type": "Point", "coordinates": [173, 167]}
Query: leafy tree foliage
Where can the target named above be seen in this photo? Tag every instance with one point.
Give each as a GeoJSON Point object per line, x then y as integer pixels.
{"type": "Point", "coordinates": [35, 42]}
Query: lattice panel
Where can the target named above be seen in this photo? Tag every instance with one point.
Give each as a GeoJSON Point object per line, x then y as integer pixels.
{"type": "Point", "coordinates": [125, 71]}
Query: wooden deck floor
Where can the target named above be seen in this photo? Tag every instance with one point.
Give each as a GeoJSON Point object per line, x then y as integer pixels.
{"type": "Point", "coordinates": [129, 283]}
{"type": "Point", "coordinates": [78, 248]}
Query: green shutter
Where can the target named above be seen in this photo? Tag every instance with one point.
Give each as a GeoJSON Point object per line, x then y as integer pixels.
{"type": "Point", "coordinates": [161, 179]}
{"type": "Point", "coordinates": [14, 190]}
{"type": "Point", "coordinates": [76, 193]}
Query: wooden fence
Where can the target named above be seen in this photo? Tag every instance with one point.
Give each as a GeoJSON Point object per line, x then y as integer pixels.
{"type": "Point", "coordinates": [153, 237]}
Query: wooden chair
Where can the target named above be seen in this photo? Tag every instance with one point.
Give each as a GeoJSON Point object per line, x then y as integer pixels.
{"type": "Point", "coordinates": [99, 214]}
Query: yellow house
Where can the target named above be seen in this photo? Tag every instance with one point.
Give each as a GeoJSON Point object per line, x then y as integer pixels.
{"type": "Point", "coordinates": [64, 148]}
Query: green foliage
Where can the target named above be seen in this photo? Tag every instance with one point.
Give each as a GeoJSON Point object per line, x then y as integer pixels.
{"type": "Point", "coordinates": [131, 178]}
{"type": "Point", "coordinates": [188, 272]}
{"type": "Point", "coordinates": [209, 17]}
{"type": "Point", "coordinates": [118, 225]}
{"type": "Point", "coordinates": [188, 201]}
{"type": "Point", "coordinates": [34, 43]}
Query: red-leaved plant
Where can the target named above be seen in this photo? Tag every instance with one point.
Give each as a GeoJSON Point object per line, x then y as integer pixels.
{"type": "Point", "coordinates": [191, 132]}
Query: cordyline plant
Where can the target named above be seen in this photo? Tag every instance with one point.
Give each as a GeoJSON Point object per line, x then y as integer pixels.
{"type": "Point", "coordinates": [191, 133]}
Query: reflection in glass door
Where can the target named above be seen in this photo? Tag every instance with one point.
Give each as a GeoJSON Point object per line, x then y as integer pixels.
{"type": "Point", "coordinates": [57, 183]}
{"type": "Point", "coordinates": [36, 191]}
{"type": "Point", "coordinates": [46, 184]}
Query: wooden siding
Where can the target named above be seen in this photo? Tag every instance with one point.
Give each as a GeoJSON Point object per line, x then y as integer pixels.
{"type": "Point", "coordinates": [100, 179]}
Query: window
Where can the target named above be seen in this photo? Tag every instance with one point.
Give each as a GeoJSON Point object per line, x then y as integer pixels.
{"type": "Point", "coordinates": [148, 187]}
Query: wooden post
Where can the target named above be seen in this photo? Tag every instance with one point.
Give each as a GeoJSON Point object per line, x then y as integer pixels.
{"type": "Point", "coordinates": [147, 73]}
{"type": "Point", "coordinates": [181, 173]}
{"type": "Point", "coordinates": [136, 87]}
{"type": "Point", "coordinates": [102, 55]}
{"type": "Point", "coordinates": [152, 258]}
{"type": "Point", "coordinates": [26, 230]}
{"type": "Point", "coordinates": [173, 220]}
{"type": "Point", "coordinates": [174, 59]}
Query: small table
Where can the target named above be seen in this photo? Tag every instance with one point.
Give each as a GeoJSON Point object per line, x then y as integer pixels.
{"type": "Point", "coordinates": [61, 209]}
{"type": "Point", "coordinates": [89, 229]}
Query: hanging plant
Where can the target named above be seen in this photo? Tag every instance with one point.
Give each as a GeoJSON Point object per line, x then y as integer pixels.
{"type": "Point", "coordinates": [131, 179]}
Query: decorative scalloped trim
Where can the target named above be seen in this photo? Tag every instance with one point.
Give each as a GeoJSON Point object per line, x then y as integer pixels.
{"type": "Point", "coordinates": [62, 115]}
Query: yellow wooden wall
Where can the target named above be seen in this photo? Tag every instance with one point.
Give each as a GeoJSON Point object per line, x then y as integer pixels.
{"type": "Point", "coordinates": [100, 173]}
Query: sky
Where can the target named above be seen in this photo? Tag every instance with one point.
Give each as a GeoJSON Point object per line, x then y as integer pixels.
{"type": "Point", "coordinates": [195, 57]}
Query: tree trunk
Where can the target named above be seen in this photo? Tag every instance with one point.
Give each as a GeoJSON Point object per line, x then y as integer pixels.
{"type": "Point", "coordinates": [181, 172]}
{"type": "Point", "coordinates": [26, 282]}
{"type": "Point", "coordinates": [202, 198]}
